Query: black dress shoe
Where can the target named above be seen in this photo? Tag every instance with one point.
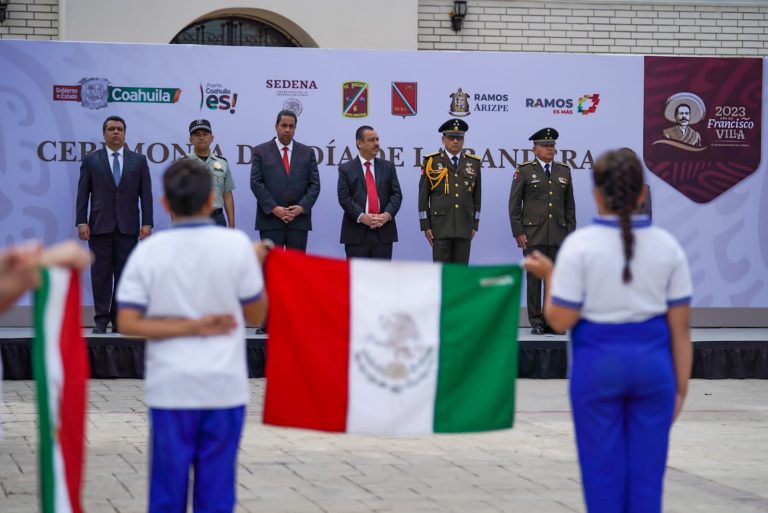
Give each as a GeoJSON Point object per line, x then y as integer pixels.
{"type": "Point", "coordinates": [99, 330]}
{"type": "Point", "coordinates": [548, 330]}
{"type": "Point", "coordinates": [537, 330]}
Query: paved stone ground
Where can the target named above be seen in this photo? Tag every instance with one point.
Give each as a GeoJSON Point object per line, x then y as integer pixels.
{"type": "Point", "coordinates": [718, 462]}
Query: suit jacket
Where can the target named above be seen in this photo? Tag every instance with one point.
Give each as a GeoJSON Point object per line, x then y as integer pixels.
{"type": "Point", "coordinates": [114, 206]}
{"type": "Point", "coordinates": [353, 193]}
{"type": "Point", "coordinates": [273, 187]}
{"type": "Point", "coordinates": [542, 208]}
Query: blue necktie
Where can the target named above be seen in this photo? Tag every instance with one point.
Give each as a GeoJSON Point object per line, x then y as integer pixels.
{"type": "Point", "coordinates": [116, 167]}
{"type": "Point", "coordinates": [546, 170]}
{"type": "Point", "coordinates": [455, 161]}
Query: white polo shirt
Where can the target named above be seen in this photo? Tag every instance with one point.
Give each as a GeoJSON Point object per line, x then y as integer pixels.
{"type": "Point", "coordinates": [191, 270]}
{"type": "Point", "coordinates": [590, 263]}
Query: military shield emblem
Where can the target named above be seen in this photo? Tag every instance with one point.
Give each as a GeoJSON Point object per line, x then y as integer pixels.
{"type": "Point", "coordinates": [354, 99]}
{"type": "Point", "coordinates": [404, 98]}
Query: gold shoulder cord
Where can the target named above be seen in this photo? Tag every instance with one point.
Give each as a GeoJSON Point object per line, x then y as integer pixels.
{"type": "Point", "coordinates": [435, 176]}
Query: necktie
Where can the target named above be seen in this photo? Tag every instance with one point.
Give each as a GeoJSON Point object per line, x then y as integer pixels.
{"type": "Point", "coordinates": [116, 167]}
{"type": "Point", "coordinates": [286, 163]}
{"type": "Point", "coordinates": [373, 195]}
{"type": "Point", "coordinates": [455, 161]}
{"type": "Point", "coordinates": [546, 170]}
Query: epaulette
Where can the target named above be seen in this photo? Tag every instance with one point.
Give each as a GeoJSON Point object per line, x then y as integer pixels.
{"type": "Point", "coordinates": [561, 164]}
{"type": "Point", "coordinates": [526, 163]}
{"type": "Point", "coordinates": [222, 157]}
{"type": "Point", "coordinates": [435, 154]}
{"type": "Point", "coordinates": [472, 156]}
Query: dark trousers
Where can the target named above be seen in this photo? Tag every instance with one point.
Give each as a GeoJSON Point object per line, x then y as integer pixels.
{"type": "Point", "coordinates": [110, 251]}
{"type": "Point", "coordinates": [371, 247]}
{"type": "Point", "coordinates": [451, 250]}
{"type": "Point", "coordinates": [285, 237]}
{"type": "Point", "coordinates": [535, 312]}
{"type": "Point", "coordinates": [218, 217]}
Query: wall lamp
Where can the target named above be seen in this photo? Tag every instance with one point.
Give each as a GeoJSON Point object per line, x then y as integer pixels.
{"type": "Point", "coordinates": [3, 9]}
{"type": "Point", "coordinates": [457, 14]}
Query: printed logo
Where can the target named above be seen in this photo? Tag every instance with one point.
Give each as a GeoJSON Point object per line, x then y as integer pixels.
{"type": "Point", "coordinates": [404, 98]}
{"type": "Point", "coordinates": [291, 87]}
{"type": "Point", "coordinates": [294, 105]}
{"type": "Point", "coordinates": [586, 104]}
{"type": "Point", "coordinates": [700, 135]}
{"type": "Point", "coordinates": [459, 104]}
{"type": "Point", "coordinates": [395, 358]}
{"type": "Point", "coordinates": [354, 99]}
{"type": "Point", "coordinates": [480, 102]}
{"type": "Point", "coordinates": [97, 93]}
{"type": "Point", "coordinates": [217, 97]}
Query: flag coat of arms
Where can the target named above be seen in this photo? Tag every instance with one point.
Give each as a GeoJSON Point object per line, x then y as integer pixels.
{"type": "Point", "coordinates": [60, 365]}
{"type": "Point", "coordinates": [404, 98]}
{"type": "Point", "coordinates": [354, 99]}
{"type": "Point", "coordinates": [390, 348]}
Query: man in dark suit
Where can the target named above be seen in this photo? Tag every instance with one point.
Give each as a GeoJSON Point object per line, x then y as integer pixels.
{"type": "Point", "coordinates": [286, 183]}
{"type": "Point", "coordinates": [114, 180]}
{"type": "Point", "coordinates": [542, 213]}
{"type": "Point", "coordinates": [370, 195]}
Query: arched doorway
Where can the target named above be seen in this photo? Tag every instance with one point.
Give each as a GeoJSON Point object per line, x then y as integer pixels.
{"type": "Point", "coordinates": [233, 30]}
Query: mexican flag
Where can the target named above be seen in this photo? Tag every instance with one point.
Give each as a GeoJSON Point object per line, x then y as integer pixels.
{"type": "Point", "coordinates": [390, 348]}
{"type": "Point", "coordinates": [60, 366]}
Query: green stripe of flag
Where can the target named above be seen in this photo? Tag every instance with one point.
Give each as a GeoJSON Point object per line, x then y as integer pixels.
{"type": "Point", "coordinates": [44, 412]}
{"type": "Point", "coordinates": [478, 348]}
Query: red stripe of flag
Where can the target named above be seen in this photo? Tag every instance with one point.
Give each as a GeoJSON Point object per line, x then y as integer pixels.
{"type": "Point", "coordinates": [308, 349]}
{"type": "Point", "coordinates": [74, 391]}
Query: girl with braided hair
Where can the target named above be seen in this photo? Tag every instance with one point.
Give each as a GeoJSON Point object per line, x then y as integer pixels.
{"type": "Point", "coordinates": [623, 287]}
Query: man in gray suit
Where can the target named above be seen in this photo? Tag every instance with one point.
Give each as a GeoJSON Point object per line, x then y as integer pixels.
{"type": "Point", "coordinates": [286, 183]}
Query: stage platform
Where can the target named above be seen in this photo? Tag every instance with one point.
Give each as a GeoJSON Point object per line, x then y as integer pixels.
{"type": "Point", "coordinates": [719, 353]}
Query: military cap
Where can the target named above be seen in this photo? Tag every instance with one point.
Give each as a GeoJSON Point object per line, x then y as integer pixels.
{"type": "Point", "coordinates": [545, 136]}
{"type": "Point", "coordinates": [454, 127]}
{"type": "Point", "coordinates": [200, 124]}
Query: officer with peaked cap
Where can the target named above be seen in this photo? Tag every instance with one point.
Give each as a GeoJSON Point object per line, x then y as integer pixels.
{"type": "Point", "coordinates": [449, 196]}
{"type": "Point", "coordinates": [201, 137]}
{"type": "Point", "coordinates": [542, 212]}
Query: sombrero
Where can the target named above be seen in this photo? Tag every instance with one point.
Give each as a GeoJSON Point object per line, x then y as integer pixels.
{"type": "Point", "coordinates": [698, 109]}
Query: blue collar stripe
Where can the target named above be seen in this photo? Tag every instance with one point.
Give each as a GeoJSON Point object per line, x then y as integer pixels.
{"type": "Point", "coordinates": [637, 221]}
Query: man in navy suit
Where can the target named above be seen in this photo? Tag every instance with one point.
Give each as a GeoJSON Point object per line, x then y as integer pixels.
{"type": "Point", "coordinates": [286, 183]}
{"type": "Point", "coordinates": [370, 195]}
{"type": "Point", "coordinates": [114, 180]}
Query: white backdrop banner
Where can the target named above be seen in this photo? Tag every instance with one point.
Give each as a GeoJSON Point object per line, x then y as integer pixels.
{"type": "Point", "coordinates": [54, 97]}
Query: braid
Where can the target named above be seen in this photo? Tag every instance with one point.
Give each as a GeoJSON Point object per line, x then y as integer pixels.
{"type": "Point", "coordinates": [625, 208]}
{"type": "Point", "coordinates": [619, 176]}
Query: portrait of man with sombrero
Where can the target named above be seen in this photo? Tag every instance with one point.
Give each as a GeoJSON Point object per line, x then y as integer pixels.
{"type": "Point", "coordinates": [684, 109]}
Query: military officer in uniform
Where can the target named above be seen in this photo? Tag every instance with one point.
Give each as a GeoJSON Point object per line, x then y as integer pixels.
{"type": "Point", "coordinates": [542, 213]}
{"type": "Point", "coordinates": [449, 196]}
{"type": "Point", "coordinates": [201, 137]}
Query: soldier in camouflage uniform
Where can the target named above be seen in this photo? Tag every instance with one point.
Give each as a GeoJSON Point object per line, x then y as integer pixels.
{"type": "Point", "coordinates": [449, 196]}
{"type": "Point", "coordinates": [201, 137]}
{"type": "Point", "coordinates": [542, 212]}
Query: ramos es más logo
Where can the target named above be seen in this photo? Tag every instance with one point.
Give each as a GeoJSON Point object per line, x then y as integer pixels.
{"type": "Point", "coordinates": [97, 93]}
{"type": "Point", "coordinates": [584, 105]}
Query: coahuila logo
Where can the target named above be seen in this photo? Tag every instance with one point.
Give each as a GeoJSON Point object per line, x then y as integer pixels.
{"type": "Point", "coordinates": [96, 93]}
{"type": "Point", "coordinates": [586, 104]}
{"type": "Point", "coordinates": [217, 97]}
